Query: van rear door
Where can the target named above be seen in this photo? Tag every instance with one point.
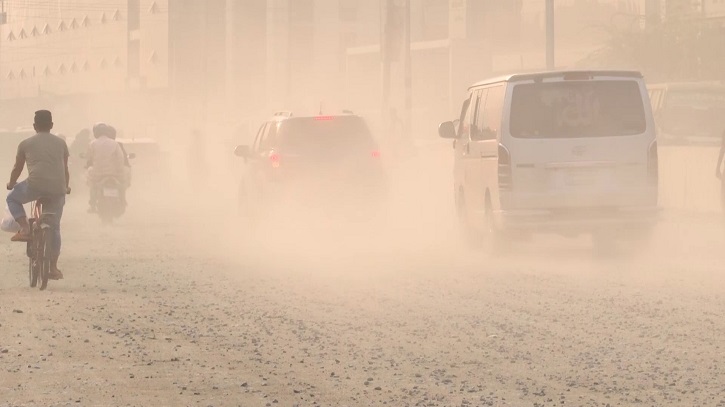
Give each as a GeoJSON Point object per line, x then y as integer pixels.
{"type": "Point", "coordinates": [581, 142]}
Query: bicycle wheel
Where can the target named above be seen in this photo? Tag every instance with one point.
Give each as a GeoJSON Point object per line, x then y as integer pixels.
{"type": "Point", "coordinates": [44, 258]}
{"type": "Point", "coordinates": [32, 252]}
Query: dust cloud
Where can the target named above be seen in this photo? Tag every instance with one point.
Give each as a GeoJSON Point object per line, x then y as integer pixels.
{"type": "Point", "coordinates": [319, 304]}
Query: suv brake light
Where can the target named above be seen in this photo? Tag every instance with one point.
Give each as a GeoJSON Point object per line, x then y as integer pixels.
{"type": "Point", "coordinates": [274, 159]}
{"type": "Point", "coordinates": [375, 154]}
{"type": "Point", "coordinates": [323, 118]}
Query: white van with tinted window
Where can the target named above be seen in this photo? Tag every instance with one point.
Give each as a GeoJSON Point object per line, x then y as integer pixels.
{"type": "Point", "coordinates": [569, 153]}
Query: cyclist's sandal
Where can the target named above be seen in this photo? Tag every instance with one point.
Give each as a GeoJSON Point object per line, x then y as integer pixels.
{"type": "Point", "coordinates": [19, 237]}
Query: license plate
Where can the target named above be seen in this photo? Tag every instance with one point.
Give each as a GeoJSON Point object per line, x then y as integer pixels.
{"type": "Point", "coordinates": [583, 178]}
{"type": "Point", "coordinates": [110, 193]}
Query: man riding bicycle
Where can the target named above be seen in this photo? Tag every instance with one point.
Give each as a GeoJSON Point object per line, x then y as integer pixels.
{"type": "Point", "coordinates": [46, 156]}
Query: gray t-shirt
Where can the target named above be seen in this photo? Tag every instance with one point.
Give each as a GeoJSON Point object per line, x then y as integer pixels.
{"type": "Point", "coordinates": [45, 156]}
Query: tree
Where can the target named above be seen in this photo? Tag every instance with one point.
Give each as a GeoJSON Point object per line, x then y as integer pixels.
{"type": "Point", "coordinates": [675, 50]}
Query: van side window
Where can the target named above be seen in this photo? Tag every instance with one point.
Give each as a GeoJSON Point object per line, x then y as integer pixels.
{"type": "Point", "coordinates": [477, 120]}
{"type": "Point", "coordinates": [492, 113]}
{"type": "Point", "coordinates": [464, 127]}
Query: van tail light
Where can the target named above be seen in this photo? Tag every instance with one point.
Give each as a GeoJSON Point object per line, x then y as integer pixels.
{"type": "Point", "coordinates": [505, 178]}
{"type": "Point", "coordinates": [375, 154]}
{"type": "Point", "coordinates": [653, 164]}
{"type": "Point", "coordinates": [274, 159]}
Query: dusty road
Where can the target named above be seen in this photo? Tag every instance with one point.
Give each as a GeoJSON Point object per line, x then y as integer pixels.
{"type": "Point", "coordinates": [172, 310]}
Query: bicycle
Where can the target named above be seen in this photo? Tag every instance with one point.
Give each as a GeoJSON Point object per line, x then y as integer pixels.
{"type": "Point", "coordinates": [39, 246]}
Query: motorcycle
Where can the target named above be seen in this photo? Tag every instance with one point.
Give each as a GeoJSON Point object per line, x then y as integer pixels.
{"type": "Point", "coordinates": [110, 199]}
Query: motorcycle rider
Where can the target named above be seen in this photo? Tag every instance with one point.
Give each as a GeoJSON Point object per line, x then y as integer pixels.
{"type": "Point", "coordinates": [127, 164]}
{"type": "Point", "coordinates": [46, 156]}
{"type": "Point", "coordinates": [105, 159]}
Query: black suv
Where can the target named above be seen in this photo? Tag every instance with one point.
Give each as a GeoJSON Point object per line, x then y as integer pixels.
{"type": "Point", "coordinates": [312, 164]}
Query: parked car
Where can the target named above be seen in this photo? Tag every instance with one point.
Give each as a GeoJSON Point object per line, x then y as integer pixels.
{"type": "Point", "coordinates": [689, 113]}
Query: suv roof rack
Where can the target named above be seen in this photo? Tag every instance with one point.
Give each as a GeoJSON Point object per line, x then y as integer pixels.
{"type": "Point", "coordinates": [347, 111]}
{"type": "Point", "coordinates": [283, 113]}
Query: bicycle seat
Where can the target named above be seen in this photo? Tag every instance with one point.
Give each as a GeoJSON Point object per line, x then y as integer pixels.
{"type": "Point", "coordinates": [42, 202]}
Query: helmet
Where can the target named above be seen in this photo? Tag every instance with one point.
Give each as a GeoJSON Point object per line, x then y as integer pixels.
{"type": "Point", "coordinates": [111, 132]}
{"type": "Point", "coordinates": [100, 129]}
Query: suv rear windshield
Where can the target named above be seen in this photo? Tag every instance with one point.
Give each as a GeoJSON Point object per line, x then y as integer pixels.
{"type": "Point", "coordinates": [577, 109]}
{"type": "Point", "coordinates": [320, 135]}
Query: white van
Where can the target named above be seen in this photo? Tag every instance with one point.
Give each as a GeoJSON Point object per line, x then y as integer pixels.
{"type": "Point", "coordinates": [559, 152]}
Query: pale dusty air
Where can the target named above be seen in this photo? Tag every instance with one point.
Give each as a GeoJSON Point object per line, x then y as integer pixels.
{"type": "Point", "coordinates": [357, 203]}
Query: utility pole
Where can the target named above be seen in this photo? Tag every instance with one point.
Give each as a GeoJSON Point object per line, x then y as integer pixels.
{"type": "Point", "coordinates": [550, 43]}
{"type": "Point", "coordinates": [386, 60]}
{"type": "Point", "coordinates": [408, 67]}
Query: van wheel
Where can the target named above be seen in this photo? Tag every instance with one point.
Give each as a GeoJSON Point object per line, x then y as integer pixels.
{"type": "Point", "coordinates": [495, 243]}
{"type": "Point", "coordinates": [472, 237]}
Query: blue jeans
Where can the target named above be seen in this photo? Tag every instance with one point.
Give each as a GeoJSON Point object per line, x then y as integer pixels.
{"type": "Point", "coordinates": [21, 195]}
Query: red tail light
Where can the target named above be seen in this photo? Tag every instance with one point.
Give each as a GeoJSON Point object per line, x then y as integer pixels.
{"type": "Point", "coordinates": [505, 176]}
{"type": "Point", "coordinates": [323, 118]}
{"type": "Point", "coordinates": [274, 159]}
{"type": "Point", "coordinates": [375, 154]}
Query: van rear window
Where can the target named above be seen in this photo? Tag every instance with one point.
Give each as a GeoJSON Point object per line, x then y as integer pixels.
{"type": "Point", "coordinates": [577, 109]}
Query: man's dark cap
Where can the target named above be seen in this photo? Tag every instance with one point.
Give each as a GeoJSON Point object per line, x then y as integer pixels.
{"type": "Point", "coordinates": [43, 117]}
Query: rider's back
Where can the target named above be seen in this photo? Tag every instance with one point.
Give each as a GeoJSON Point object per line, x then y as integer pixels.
{"type": "Point", "coordinates": [106, 158]}
{"type": "Point", "coordinates": [45, 157]}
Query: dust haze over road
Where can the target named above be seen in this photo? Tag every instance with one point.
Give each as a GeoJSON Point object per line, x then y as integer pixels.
{"type": "Point", "coordinates": [178, 304]}
{"type": "Point", "coordinates": [181, 303]}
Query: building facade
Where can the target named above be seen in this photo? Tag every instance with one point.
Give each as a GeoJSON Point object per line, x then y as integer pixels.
{"type": "Point", "coordinates": [226, 61]}
{"type": "Point", "coordinates": [65, 54]}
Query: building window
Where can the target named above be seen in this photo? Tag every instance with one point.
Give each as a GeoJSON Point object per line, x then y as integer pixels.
{"type": "Point", "coordinates": [74, 24]}
{"type": "Point", "coordinates": [23, 34]}
{"type": "Point", "coordinates": [35, 32]}
{"type": "Point", "coordinates": [11, 75]}
{"type": "Point", "coordinates": [116, 15]}
{"type": "Point", "coordinates": [62, 69]}
{"type": "Point", "coordinates": [104, 19]}
{"type": "Point", "coordinates": [86, 66]}
{"type": "Point", "coordinates": [46, 71]}
{"type": "Point", "coordinates": [154, 9]}
{"type": "Point", "coordinates": [47, 30]}
{"type": "Point", "coordinates": [62, 26]}
{"type": "Point", "coordinates": [117, 62]}
{"type": "Point", "coordinates": [104, 63]}
{"type": "Point", "coordinates": [11, 36]}
{"type": "Point", "coordinates": [74, 68]}
{"type": "Point", "coordinates": [86, 22]}
{"type": "Point", "coordinates": [23, 75]}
